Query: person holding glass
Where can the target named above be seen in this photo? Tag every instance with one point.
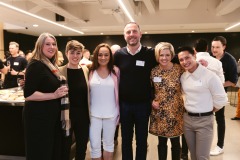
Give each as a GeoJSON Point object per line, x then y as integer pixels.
{"type": "Point", "coordinates": [104, 106]}
{"type": "Point", "coordinates": [166, 119]}
{"type": "Point", "coordinates": [16, 66]}
{"type": "Point", "coordinates": [42, 110]}
{"type": "Point", "coordinates": [77, 78]}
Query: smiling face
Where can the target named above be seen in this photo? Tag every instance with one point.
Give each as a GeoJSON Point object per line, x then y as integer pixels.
{"type": "Point", "coordinates": [74, 57]}
{"type": "Point", "coordinates": [217, 49]}
{"type": "Point", "coordinates": [132, 34]}
{"type": "Point", "coordinates": [103, 56]}
{"type": "Point", "coordinates": [165, 58]}
{"type": "Point", "coordinates": [187, 61]}
{"type": "Point", "coordinates": [49, 48]}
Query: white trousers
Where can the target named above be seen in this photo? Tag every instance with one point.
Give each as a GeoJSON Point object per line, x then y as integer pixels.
{"type": "Point", "coordinates": [102, 129]}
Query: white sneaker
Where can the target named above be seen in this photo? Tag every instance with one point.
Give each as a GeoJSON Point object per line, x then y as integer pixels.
{"type": "Point", "coordinates": [216, 151]}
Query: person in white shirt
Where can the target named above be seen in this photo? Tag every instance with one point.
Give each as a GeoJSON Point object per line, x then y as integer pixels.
{"type": "Point", "coordinates": [104, 104]}
{"type": "Point", "coordinates": [213, 64]}
{"type": "Point", "coordinates": [203, 94]}
{"type": "Point", "coordinates": [85, 59]}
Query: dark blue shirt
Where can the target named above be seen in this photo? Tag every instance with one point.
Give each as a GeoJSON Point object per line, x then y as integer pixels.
{"type": "Point", "coordinates": [229, 65]}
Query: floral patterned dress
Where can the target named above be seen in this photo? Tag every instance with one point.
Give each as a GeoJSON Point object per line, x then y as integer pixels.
{"type": "Point", "coordinates": [168, 120]}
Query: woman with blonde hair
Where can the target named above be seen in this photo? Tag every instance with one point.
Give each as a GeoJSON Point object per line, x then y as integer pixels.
{"type": "Point", "coordinates": [166, 119]}
{"type": "Point", "coordinates": [43, 94]}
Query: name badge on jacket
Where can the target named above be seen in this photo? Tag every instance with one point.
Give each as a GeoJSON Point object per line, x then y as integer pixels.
{"type": "Point", "coordinates": [140, 63]}
{"type": "Point", "coordinates": [16, 63]}
{"type": "Point", "coordinates": [157, 79]}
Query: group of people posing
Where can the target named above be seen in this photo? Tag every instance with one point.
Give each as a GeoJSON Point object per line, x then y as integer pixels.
{"type": "Point", "coordinates": [134, 85]}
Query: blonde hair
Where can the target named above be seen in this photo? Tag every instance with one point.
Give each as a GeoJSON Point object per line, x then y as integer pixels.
{"type": "Point", "coordinates": [161, 46]}
{"type": "Point", "coordinates": [14, 43]}
{"type": "Point", "coordinates": [38, 53]}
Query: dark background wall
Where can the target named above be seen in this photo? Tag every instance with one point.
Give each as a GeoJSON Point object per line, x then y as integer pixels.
{"type": "Point", "coordinates": [27, 42]}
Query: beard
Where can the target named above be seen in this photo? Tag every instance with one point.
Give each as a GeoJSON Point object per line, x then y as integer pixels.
{"type": "Point", "coordinates": [133, 43]}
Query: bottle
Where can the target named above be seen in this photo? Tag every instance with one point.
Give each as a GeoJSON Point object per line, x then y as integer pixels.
{"type": "Point", "coordinates": [66, 123]}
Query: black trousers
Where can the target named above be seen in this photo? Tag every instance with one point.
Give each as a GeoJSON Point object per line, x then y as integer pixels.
{"type": "Point", "coordinates": [220, 118]}
{"type": "Point", "coordinates": [80, 128]}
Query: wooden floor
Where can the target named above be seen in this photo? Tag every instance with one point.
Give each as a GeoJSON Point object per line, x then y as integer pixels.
{"type": "Point", "coordinates": [231, 148]}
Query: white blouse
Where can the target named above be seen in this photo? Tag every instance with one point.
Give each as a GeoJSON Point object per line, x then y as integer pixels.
{"type": "Point", "coordinates": [102, 98]}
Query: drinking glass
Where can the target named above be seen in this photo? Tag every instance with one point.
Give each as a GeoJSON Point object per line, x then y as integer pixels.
{"type": "Point", "coordinates": [19, 83]}
{"type": "Point", "coordinates": [8, 64]}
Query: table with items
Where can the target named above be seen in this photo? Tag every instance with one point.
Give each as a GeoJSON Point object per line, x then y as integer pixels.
{"type": "Point", "coordinates": [11, 133]}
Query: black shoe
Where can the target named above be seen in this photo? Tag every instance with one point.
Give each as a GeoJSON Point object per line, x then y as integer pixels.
{"type": "Point", "coordinates": [184, 156]}
{"type": "Point", "coordinates": [235, 118]}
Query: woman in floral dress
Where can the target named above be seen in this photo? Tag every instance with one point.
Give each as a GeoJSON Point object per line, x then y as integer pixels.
{"type": "Point", "coordinates": [166, 119]}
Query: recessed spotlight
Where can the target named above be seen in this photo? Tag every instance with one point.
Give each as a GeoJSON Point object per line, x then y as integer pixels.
{"type": "Point", "coordinates": [35, 25]}
{"type": "Point", "coordinates": [60, 34]}
{"type": "Point", "coordinates": [101, 33]}
{"type": "Point", "coordinates": [145, 32]}
{"type": "Point", "coordinates": [193, 31]}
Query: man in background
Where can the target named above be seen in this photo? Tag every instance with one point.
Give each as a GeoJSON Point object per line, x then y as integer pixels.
{"type": "Point", "coordinates": [229, 65]}
{"type": "Point", "coordinates": [114, 48]}
{"type": "Point", "coordinates": [86, 58]}
{"type": "Point", "coordinates": [16, 66]}
{"type": "Point", "coordinates": [213, 64]}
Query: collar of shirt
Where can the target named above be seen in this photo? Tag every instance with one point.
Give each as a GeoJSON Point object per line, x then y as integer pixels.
{"type": "Point", "coordinates": [196, 74]}
{"type": "Point", "coordinates": [137, 51]}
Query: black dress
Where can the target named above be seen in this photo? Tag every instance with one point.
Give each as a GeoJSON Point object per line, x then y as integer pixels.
{"type": "Point", "coordinates": [41, 118]}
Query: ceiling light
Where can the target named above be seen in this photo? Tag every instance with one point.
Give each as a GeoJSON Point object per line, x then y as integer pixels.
{"type": "Point", "coordinates": [35, 25]}
{"type": "Point", "coordinates": [235, 25]}
{"type": "Point", "coordinates": [38, 17]}
{"type": "Point", "coordinates": [101, 33]}
{"type": "Point", "coordinates": [125, 10]}
{"type": "Point", "coordinates": [193, 31]}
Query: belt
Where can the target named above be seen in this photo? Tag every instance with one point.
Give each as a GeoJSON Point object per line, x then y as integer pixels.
{"type": "Point", "coordinates": [200, 114]}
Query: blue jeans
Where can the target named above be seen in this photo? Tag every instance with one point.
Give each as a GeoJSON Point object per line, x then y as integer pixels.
{"type": "Point", "coordinates": [134, 114]}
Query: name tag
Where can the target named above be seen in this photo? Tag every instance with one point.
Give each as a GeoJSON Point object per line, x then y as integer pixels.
{"type": "Point", "coordinates": [157, 79]}
{"type": "Point", "coordinates": [197, 83]}
{"type": "Point", "coordinates": [140, 63]}
{"type": "Point", "coordinates": [16, 63]}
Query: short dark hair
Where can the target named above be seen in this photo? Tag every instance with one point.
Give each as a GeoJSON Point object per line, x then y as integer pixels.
{"type": "Point", "coordinates": [221, 39]}
{"type": "Point", "coordinates": [201, 45]}
{"type": "Point", "coordinates": [185, 48]}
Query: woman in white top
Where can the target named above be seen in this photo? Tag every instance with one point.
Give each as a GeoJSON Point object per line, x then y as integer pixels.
{"type": "Point", "coordinates": [104, 106]}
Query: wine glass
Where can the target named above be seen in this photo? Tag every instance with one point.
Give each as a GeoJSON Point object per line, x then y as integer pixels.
{"type": "Point", "coordinates": [19, 83]}
{"type": "Point", "coordinates": [8, 64]}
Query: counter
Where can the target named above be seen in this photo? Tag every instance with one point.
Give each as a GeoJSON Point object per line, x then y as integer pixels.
{"type": "Point", "coordinates": [11, 133]}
